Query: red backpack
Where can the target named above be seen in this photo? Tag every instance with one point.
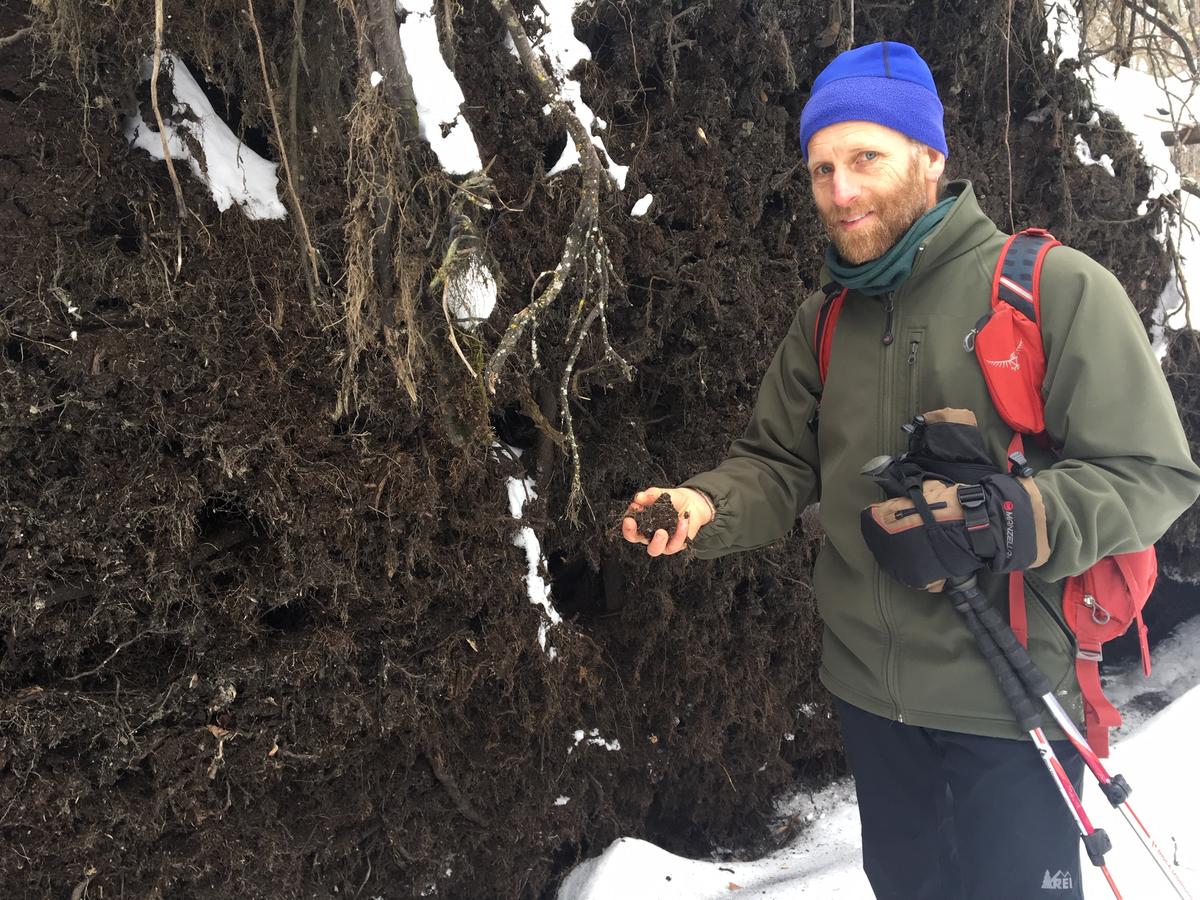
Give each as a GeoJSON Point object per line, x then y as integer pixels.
{"type": "Point", "coordinates": [1101, 603]}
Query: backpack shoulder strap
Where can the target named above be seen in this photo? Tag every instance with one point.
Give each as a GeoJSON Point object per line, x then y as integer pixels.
{"type": "Point", "coordinates": [827, 324]}
{"type": "Point", "coordinates": [1019, 271]}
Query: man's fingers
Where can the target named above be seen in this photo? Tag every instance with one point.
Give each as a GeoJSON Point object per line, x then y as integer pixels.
{"type": "Point", "coordinates": [658, 543]}
{"type": "Point", "coordinates": [647, 497]}
{"type": "Point", "coordinates": [679, 538]}
{"type": "Point", "coordinates": [629, 531]}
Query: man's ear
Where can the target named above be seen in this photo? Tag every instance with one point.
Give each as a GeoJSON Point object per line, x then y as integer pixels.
{"type": "Point", "coordinates": [937, 165]}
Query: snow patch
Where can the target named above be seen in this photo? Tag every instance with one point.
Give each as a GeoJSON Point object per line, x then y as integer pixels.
{"type": "Point", "coordinates": [472, 293]}
{"type": "Point", "coordinates": [640, 208]}
{"type": "Point", "coordinates": [1146, 109]}
{"type": "Point", "coordinates": [521, 490]}
{"type": "Point", "coordinates": [1062, 29]}
{"type": "Point", "coordinates": [593, 737]}
{"type": "Point", "coordinates": [1083, 153]}
{"type": "Point", "coordinates": [229, 169]}
{"type": "Point", "coordinates": [436, 90]}
{"type": "Point", "coordinates": [565, 51]}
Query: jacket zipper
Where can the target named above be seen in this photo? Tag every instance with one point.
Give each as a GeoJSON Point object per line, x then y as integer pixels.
{"type": "Point", "coordinates": [883, 580]}
{"type": "Point", "coordinates": [914, 349]}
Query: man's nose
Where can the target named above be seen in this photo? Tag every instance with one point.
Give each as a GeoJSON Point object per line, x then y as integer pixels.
{"type": "Point", "coordinates": [845, 188]}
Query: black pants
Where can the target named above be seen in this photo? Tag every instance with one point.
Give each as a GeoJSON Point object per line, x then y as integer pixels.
{"type": "Point", "coordinates": [949, 816]}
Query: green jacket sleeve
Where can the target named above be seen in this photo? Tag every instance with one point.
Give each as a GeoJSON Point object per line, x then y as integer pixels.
{"type": "Point", "coordinates": [1125, 472]}
{"type": "Point", "coordinates": [771, 472]}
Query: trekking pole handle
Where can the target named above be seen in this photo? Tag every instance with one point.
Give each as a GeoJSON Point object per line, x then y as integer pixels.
{"type": "Point", "coordinates": [1034, 679]}
{"type": "Point", "coordinates": [1024, 709]}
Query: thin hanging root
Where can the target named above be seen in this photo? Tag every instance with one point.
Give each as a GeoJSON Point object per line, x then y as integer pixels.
{"type": "Point", "coordinates": [598, 310]}
{"type": "Point", "coordinates": [314, 277]}
{"type": "Point", "coordinates": [450, 329]}
{"type": "Point", "coordinates": [181, 206]}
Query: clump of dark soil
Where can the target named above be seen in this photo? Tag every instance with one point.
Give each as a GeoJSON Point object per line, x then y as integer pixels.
{"type": "Point", "coordinates": [660, 515]}
{"type": "Point", "coordinates": [267, 632]}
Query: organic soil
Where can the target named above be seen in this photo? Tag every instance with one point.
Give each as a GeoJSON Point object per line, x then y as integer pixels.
{"type": "Point", "coordinates": [267, 634]}
{"type": "Point", "coordinates": [660, 515]}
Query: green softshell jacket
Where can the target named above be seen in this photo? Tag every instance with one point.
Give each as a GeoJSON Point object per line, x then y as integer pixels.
{"type": "Point", "coordinates": [1122, 475]}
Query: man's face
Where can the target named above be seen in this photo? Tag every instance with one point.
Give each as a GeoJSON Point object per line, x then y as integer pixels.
{"type": "Point", "coordinates": [870, 184]}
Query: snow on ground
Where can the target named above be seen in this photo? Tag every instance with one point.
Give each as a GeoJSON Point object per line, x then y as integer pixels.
{"type": "Point", "coordinates": [231, 170]}
{"type": "Point", "coordinates": [1154, 752]}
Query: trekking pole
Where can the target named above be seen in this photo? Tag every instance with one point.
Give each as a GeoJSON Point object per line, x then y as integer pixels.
{"type": "Point", "coordinates": [1115, 788]}
{"type": "Point", "coordinates": [1095, 840]}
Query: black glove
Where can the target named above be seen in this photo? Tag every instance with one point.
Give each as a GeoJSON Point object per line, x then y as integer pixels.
{"type": "Point", "coordinates": [948, 530]}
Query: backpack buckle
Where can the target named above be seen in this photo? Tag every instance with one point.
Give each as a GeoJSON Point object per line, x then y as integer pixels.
{"type": "Point", "coordinates": [1089, 655]}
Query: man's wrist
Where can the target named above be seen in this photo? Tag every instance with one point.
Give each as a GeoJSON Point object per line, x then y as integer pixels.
{"type": "Point", "coordinates": [712, 507]}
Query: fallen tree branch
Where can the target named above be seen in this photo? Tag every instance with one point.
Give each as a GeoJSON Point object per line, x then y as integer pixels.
{"type": "Point", "coordinates": [1185, 134]}
{"type": "Point", "coordinates": [1166, 29]}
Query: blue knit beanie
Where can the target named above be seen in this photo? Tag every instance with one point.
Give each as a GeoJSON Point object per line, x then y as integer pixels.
{"type": "Point", "coordinates": [886, 83]}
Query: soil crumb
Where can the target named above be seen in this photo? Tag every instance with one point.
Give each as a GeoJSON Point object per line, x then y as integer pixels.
{"type": "Point", "coordinates": [660, 514]}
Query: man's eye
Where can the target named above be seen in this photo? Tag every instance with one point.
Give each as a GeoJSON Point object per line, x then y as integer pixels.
{"type": "Point", "coordinates": [870, 155]}
{"type": "Point", "coordinates": [824, 170]}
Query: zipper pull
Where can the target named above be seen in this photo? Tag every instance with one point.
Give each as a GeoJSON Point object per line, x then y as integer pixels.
{"type": "Point", "coordinates": [888, 307]}
{"type": "Point", "coordinates": [913, 347]}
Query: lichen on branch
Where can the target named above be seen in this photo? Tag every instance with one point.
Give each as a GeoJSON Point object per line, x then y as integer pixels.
{"type": "Point", "coordinates": [585, 257]}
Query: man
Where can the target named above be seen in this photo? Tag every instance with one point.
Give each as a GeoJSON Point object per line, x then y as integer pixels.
{"type": "Point", "coordinates": [953, 803]}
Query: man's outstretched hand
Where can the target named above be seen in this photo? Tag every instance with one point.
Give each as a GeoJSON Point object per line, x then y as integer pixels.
{"type": "Point", "coordinates": [692, 508]}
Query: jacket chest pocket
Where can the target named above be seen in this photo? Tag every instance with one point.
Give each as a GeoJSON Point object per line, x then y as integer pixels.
{"type": "Point", "coordinates": [912, 371]}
